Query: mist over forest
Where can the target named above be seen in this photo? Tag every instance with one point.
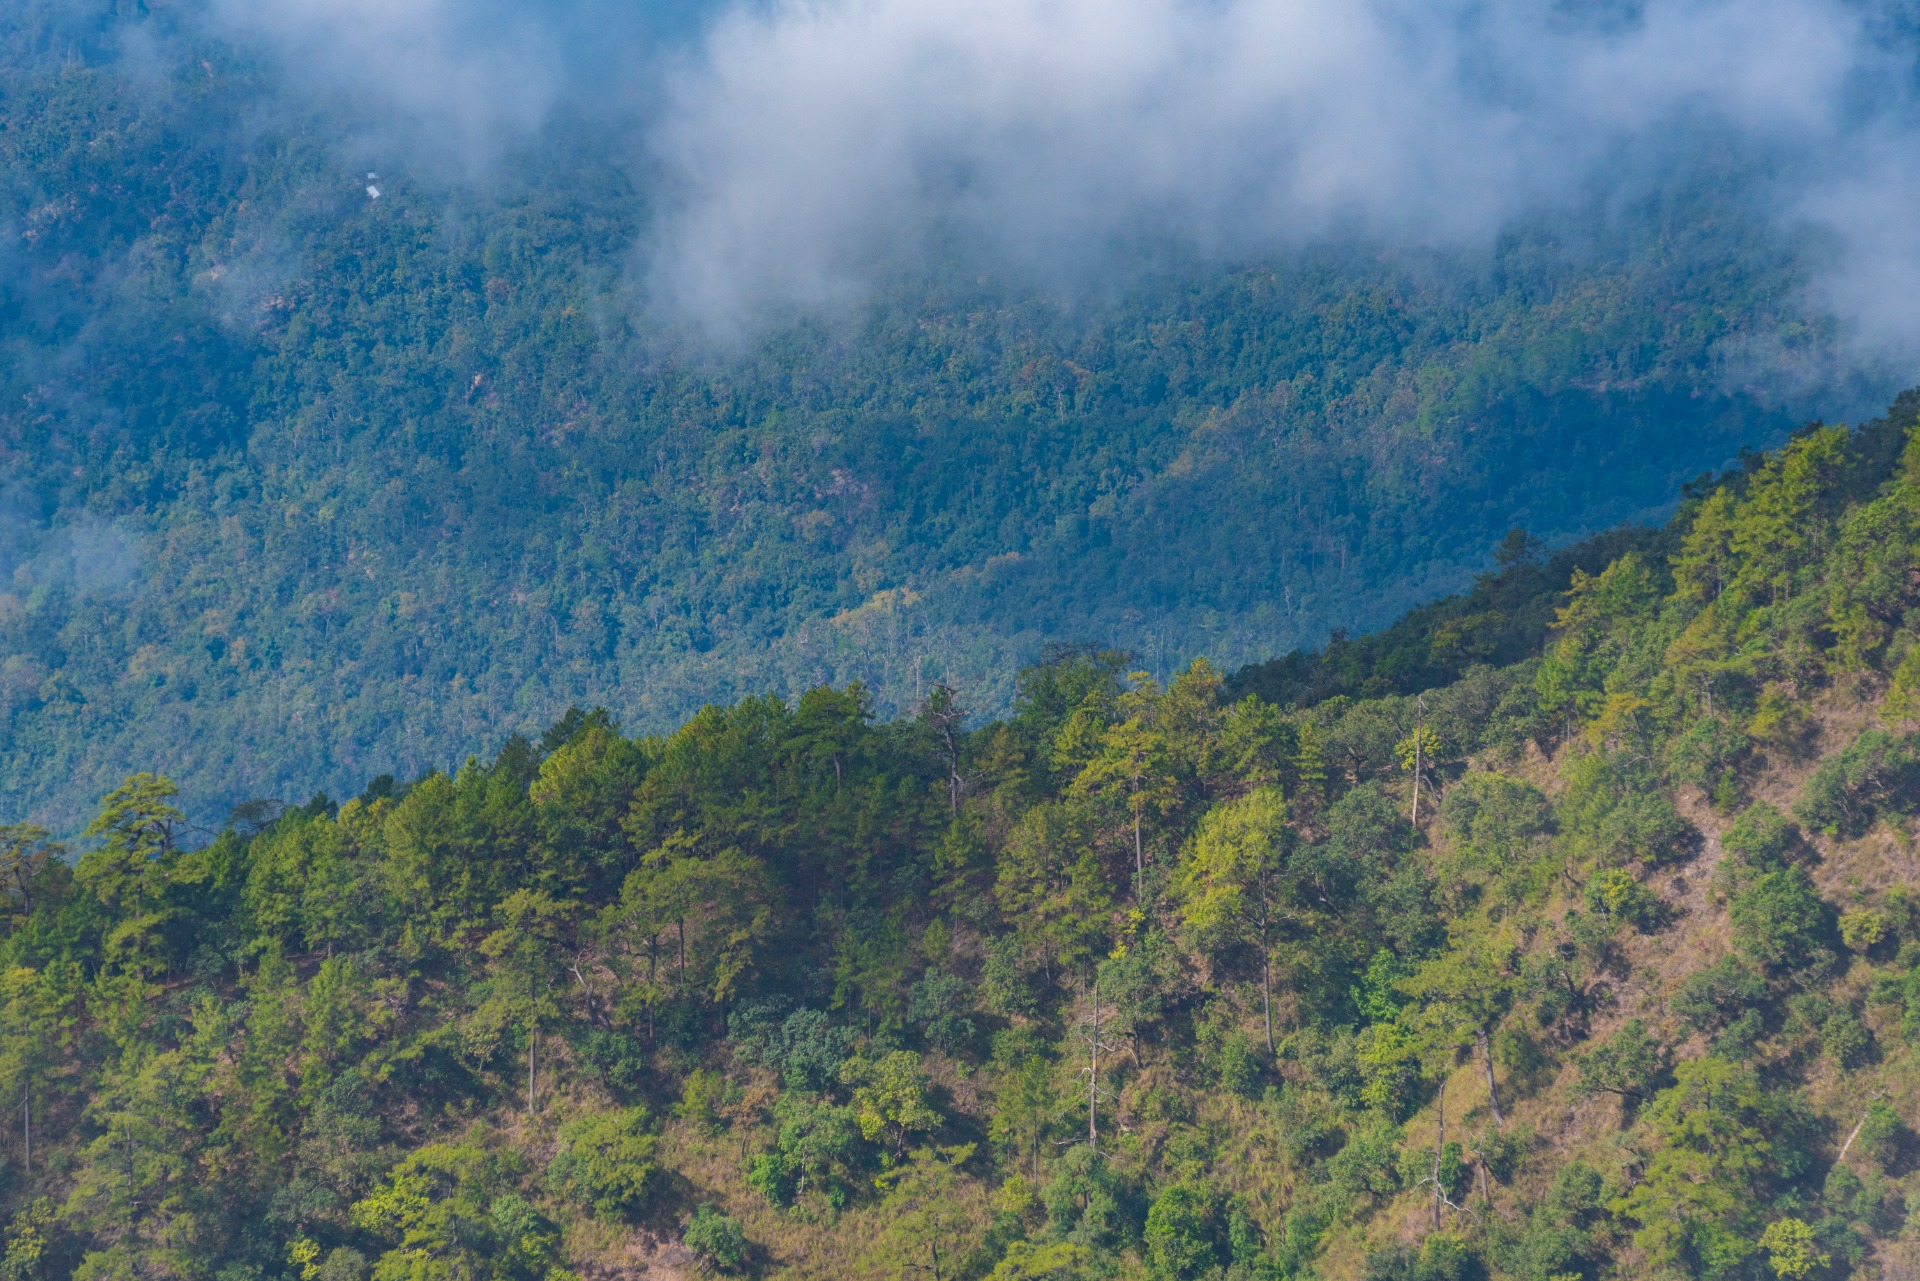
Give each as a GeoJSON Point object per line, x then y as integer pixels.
{"type": "Point", "coordinates": [1254, 640]}
{"type": "Point", "coordinates": [690, 351]}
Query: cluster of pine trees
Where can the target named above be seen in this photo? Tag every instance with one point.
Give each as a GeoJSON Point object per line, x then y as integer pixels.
{"type": "Point", "coordinates": [1600, 961]}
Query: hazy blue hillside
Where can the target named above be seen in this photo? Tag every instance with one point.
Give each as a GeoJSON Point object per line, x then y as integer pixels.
{"type": "Point", "coordinates": [303, 485]}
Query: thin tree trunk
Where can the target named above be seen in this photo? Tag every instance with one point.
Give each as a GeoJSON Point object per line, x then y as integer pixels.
{"type": "Point", "coordinates": [1139, 856]}
{"type": "Point", "coordinates": [1439, 1141]}
{"type": "Point", "coordinates": [1093, 1075]}
{"type": "Point", "coordinates": [1266, 992]}
{"type": "Point", "coordinates": [1486, 1058]}
{"type": "Point", "coordinates": [1416, 776]}
{"type": "Point", "coordinates": [533, 1042]}
{"type": "Point", "coordinates": [1848, 1145]}
{"type": "Point", "coordinates": [26, 1123]}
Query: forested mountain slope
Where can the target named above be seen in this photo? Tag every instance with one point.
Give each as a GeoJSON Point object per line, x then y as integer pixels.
{"type": "Point", "coordinates": [1600, 962]}
{"type": "Point", "coordinates": [304, 484]}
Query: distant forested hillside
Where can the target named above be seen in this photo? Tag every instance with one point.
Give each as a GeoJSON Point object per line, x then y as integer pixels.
{"type": "Point", "coordinates": [303, 484]}
{"type": "Point", "coordinates": [1566, 930]}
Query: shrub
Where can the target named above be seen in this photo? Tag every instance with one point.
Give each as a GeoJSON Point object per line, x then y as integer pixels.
{"type": "Point", "coordinates": [716, 1238]}
{"type": "Point", "coordinates": [938, 1004]}
{"type": "Point", "coordinates": [1708, 755]}
{"type": "Point", "coordinates": [1367, 1165]}
{"type": "Point", "coordinates": [805, 1046]}
{"type": "Point", "coordinates": [1881, 1131]}
{"type": "Point", "coordinates": [1790, 1245]}
{"type": "Point", "coordinates": [1779, 720]}
{"type": "Point", "coordinates": [1498, 824]}
{"type": "Point", "coordinates": [1863, 929]}
{"type": "Point", "coordinates": [1046, 1261]}
{"type": "Point", "coordinates": [1441, 1257]}
{"type": "Point", "coordinates": [1005, 987]}
{"type": "Point", "coordinates": [1845, 1039]}
{"type": "Point", "coordinates": [1083, 1198]}
{"type": "Point", "coordinates": [1780, 922]}
{"type": "Point", "coordinates": [1230, 1053]}
{"type": "Point", "coordinates": [815, 1149]}
{"type": "Point", "coordinates": [1762, 838]}
{"type": "Point", "coordinates": [620, 1059]}
{"type": "Point", "coordinates": [890, 1098]}
{"type": "Point", "coordinates": [1615, 894]}
{"type": "Point", "coordinates": [1879, 774]}
{"type": "Point", "coordinates": [606, 1160]}
{"type": "Point", "coordinates": [700, 1098]}
{"type": "Point", "coordinates": [1720, 994]}
{"type": "Point", "coordinates": [342, 1264]}
{"type": "Point", "coordinates": [1630, 1063]}
{"type": "Point", "coordinates": [1614, 813]}
{"type": "Point", "coordinates": [1180, 1233]}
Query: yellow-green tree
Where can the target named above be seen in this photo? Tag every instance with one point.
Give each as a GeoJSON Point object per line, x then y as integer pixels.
{"type": "Point", "coordinates": [1231, 884]}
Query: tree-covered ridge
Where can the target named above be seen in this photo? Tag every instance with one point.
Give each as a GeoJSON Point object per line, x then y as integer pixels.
{"type": "Point", "coordinates": [303, 484]}
{"type": "Point", "coordinates": [1604, 962]}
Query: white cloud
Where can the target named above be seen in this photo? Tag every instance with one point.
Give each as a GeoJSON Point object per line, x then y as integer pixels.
{"type": "Point", "coordinates": [800, 150]}
{"type": "Point", "coordinates": [460, 75]}
{"type": "Point", "coordinates": [817, 142]}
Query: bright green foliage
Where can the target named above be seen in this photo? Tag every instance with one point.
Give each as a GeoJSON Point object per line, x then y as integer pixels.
{"type": "Point", "coordinates": [716, 1238]}
{"type": "Point", "coordinates": [445, 1215]}
{"type": "Point", "coordinates": [1615, 814]}
{"type": "Point", "coordinates": [1231, 885]}
{"type": "Point", "coordinates": [1789, 1244]}
{"type": "Point", "coordinates": [1051, 1261]}
{"type": "Point", "coordinates": [1863, 929]}
{"type": "Point", "coordinates": [890, 1100]}
{"type": "Point", "coordinates": [137, 829]}
{"type": "Point", "coordinates": [1180, 1233]}
{"type": "Point", "coordinates": [1615, 894]}
{"type": "Point", "coordinates": [933, 1217]}
{"type": "Point", "coordinates": [606, 1161]}
{"type": "Point", "coordinates": [1499, 825]}
{"type": "Point", "coordinates": [1713, 1149]}
{"type": "Point", "coordinates": [816, 1151]}
{"type": "Point", "coordinates": [1780, 922]}
{"type": "Point", "coordinates": [422, 1033]}
{"type": "Point", "coordinates": [701, 1096]}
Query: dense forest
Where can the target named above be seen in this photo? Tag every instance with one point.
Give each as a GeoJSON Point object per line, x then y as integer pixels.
{"type": "Point", "coordinates": [304, 484]}
{"type": "Point", "coordinates": [1566, 930]}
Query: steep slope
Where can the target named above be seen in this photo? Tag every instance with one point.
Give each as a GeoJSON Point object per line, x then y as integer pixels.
{"type": "Point", "coordinates": [1604, 962]}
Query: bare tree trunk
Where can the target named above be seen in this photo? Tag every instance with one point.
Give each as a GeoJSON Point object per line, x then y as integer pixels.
{"type": "Point", "coordinates": [1486, 1058]}
{"type": "Point", "coordinates": [1139, 856]}
{"type": "Point", "coordinates": [1848, 1145]}
{"type": "Point", "coordinates": [1093, 1074]}
{"type": "Point", "coordinates": [1266, 992]}
{"type": "Point", "coordinates": [533, 1041]}
{"type": "Point", "coordinates": [1439, 1141]}
{"type": "Point", "coordinates": [1416, 775]}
